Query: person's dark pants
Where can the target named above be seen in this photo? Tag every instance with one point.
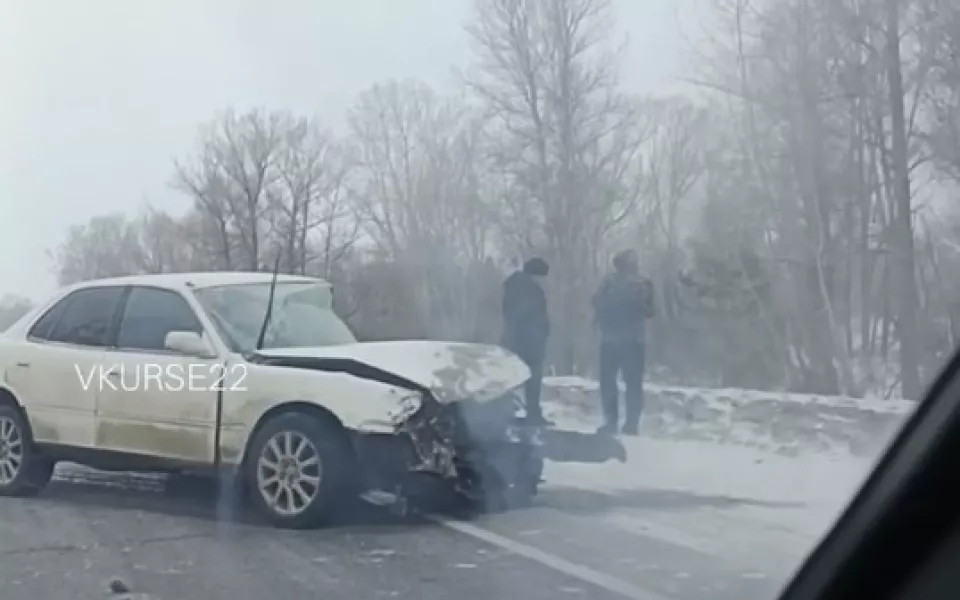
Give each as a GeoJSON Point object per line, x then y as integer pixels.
{"type": "Point", "coordinates": [627, 358]}
{"type": "Point", "coordinates": [533, 387]}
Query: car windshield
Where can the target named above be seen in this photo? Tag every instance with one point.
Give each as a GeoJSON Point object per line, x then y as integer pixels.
{"type": "Point", "coordinates": [302, 315]}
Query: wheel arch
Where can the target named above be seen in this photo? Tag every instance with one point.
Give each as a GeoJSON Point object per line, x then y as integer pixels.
{"type": "Point", "coordinates": [321, 413]}
{"type": "Point", "coordinates": [8, 398]}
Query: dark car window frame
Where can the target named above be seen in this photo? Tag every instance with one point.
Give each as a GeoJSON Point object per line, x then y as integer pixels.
{"type": "Point", "coordinates": [60, 308]}
{"type": "Point", "coordinates": [121, 318]}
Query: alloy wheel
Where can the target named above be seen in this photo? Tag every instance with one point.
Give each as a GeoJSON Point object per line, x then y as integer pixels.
{"type": "Point", "coordinates": [11, 450]}
{"type": "Point", "coordinates": [289, 473]}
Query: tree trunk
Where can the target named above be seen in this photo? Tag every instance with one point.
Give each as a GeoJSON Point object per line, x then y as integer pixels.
{"type": "Point", "coordinates": [902, 228]}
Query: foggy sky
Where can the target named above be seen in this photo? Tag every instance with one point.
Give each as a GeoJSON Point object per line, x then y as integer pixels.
{"type": "Point", "coordinates": [99, 95]}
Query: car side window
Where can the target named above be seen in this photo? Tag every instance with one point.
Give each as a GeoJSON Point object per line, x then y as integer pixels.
{"type": "Point", "coordinates": [84, 318]}
{"type": "Point", "coordinates": [43, 327]}
{"type": "Point", "coordinates": [152, 313]}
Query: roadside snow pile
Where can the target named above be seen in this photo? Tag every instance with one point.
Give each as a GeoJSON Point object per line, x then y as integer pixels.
{"type": "Point", "coordinates": [786, 423]}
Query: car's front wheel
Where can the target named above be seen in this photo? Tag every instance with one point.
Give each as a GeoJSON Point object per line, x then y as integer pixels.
{"type": "Point", "coordinates": [298, 470]}
{"type": "Point", "coordinates": [23, 472]}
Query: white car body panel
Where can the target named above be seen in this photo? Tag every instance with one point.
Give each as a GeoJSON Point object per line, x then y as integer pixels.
{"type": "Point", "coordinates": [61, 411]}
{"type": "Point", "coordinates": [141, 417]}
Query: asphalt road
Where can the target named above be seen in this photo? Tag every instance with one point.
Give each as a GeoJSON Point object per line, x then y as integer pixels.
{"type": "Point", "coordinates": [148, 538]}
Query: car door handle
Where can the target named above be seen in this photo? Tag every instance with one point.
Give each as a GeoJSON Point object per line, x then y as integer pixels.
{"type": "Point", "coordinates": [112, 373]}
{"type": "Point", "coordinates": [24, 365]}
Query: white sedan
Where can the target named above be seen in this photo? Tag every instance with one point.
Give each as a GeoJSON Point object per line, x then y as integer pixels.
{"type": "Point", "coordinates": [235, 373]}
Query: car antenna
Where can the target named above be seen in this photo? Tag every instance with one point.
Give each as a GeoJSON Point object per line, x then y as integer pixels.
{"type": "Point", "coordinates": [266, 315]}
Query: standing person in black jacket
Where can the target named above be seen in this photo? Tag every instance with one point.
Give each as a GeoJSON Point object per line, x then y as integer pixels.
{"type": "Point", "coordinates": [622, 304]}
{"type": "Point", "coordinates": [526, 327]}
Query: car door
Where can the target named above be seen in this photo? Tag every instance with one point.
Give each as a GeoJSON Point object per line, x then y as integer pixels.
{"type": "Point", "coordinates": [161, 403]}
{"type": "Point", "coordinates": [55, 375]}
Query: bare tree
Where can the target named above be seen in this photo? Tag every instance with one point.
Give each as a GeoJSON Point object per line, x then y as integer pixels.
{"type": "Point", "coordinates": [673, 165]}
{"type": "Point", "coordinates": [212, 212]}
{"type": "Point", "coordinates": [165, 245]}
{"type": "Point", "coordinates": [942, 37]}
{"type": "Point", "coordinates": [419, 188]}
{"type": "Point", "coordinates": [230, 175]}
{"type": "Point", "coordinates": [417, 170]}
{"type": "Point", "coordinates": [106, 246]}
{"type": "Point", "coordinates": [334, 220]}
{"type": "Point", "coordinates": [902, 226]}
{"type": "Point", "coordinates": [307, 194]}
{"type": "Point", "coordinates": [829, 156]}
{"type": "Point", "coordinates": [264, 184]}
{"type": "Point", "coordinates": [563, 134]}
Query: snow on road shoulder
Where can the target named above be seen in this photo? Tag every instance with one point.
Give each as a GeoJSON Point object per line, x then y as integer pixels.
{"type": "Point", "coordinates": [781, 422]}
{"type": "Point", "coordinates": [752, 478]}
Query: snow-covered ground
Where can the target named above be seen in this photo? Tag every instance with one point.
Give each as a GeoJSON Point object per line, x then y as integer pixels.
{"type": "Point", "coordinates": [789, 424]}
{"type": "Point", "coordinates": [752, 478]}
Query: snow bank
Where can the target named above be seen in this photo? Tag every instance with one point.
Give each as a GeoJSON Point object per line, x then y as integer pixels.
{"type": "Point", "coordinates": [785, 423]}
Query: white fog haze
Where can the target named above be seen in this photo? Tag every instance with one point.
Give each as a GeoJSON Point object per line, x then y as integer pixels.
{"type": "Point", "coordinates": [688, 264]}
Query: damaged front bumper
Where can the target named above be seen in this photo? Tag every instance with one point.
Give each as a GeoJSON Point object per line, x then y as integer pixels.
{"type": "Point", "coordinates": [452, 437]}
{"type": "Point", "coordinates": [480, 451]}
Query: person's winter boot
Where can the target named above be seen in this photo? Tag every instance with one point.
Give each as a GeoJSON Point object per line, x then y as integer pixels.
{"type": "Point", "coordinates": [537, 419]}
{"type": "Point", "coordinates": [607, 429]}
{"type": "Point", "coordinates": [631, 428]}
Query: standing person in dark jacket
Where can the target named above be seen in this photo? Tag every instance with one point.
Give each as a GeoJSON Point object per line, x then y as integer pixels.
{"type": "Point", "coordinates": [526, 327]}
{"type": "Point", "coordinates": [622, 304]}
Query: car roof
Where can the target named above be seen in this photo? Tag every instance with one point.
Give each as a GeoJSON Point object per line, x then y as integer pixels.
{"type": "Point", "coordinates": [175, 281]}
{"type": "Point", "coordinates": [196, 280]}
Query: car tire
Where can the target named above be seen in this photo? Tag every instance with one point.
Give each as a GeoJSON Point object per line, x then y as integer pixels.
{"type": "Point", "coordinates": [299, 489]}
{"type": "Point", "coordinates": [23, 472]}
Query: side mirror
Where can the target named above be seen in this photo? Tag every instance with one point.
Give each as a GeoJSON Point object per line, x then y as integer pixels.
{"type": "Point", "coordinates": [189, 343]}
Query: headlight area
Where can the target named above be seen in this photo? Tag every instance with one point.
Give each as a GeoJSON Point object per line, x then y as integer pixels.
{"type": "Point", "coordinates": [416, 436]}
{"type": "Point", "coordinates": [432, 432]}
{"type": "Point", "coordinates": [477, 450]}
{"type": "Point", "coordinates": [407, 406]}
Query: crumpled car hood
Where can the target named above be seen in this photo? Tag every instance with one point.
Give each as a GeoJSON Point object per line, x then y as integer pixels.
{"type": "Point", "coordinates": [451, 371]}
